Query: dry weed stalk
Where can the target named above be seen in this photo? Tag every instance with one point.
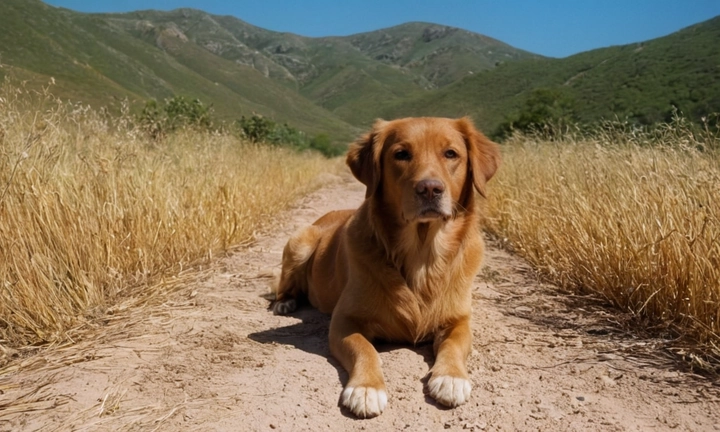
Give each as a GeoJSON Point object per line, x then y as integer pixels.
{"type": "Point", "coordinates": [631, 215]}
{"type": "Point", "coordinates": [89, 207]}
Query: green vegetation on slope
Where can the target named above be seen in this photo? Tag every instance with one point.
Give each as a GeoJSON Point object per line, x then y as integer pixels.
{"type": "Point", "coordinates": [642, 82]}
{"type": "Point", "coordinates": [440, 54]}
{"type": "Point", "coordinates": [94, 60]}
{"type": "Point", "coordinates": [339, 85]}
{"type": "Point", "coordinates": [351, 76]}
{"type": "Point", "coordinates": [319, 85]}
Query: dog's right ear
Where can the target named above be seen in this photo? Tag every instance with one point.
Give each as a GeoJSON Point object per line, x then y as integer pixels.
{"type": "Point", "coordinates": [363, 157]}
{"type": "Point", "coordinates": [484, 154]}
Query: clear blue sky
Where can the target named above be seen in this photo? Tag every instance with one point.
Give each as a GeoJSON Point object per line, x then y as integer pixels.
{"type": "Point", "coordinates": [555, 28]}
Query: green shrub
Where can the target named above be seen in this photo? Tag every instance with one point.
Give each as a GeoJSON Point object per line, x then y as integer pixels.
{"type": "Point", "coordinates": [260, 129]}
{"type": "Point", "coordinates": [256, 128]}
{"type": "Point", "coordinates": [176, 113]}
{"type": "Point", "coordinates": [545, 110]}
{"type": "Point", "coordinates": [159, 120]}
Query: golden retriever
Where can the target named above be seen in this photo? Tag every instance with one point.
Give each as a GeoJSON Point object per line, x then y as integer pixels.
{"type": "Point", "coordinates": [400, 267]}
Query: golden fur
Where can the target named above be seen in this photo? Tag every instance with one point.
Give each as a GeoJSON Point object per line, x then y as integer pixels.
{"type": "Point", "coordinates": [400, 267]}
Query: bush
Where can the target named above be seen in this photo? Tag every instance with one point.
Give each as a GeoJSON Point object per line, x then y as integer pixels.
{"type": "Point", "coordinates": [545, 110]}
{"type": "Point", "coordinates": [176, 113]}
{"type": "Point", "coordinates": [323, 144]}
{"type": "Point", "coordinates": [260, 129]}
{"type": "Point", "coordinates": [256, 128]}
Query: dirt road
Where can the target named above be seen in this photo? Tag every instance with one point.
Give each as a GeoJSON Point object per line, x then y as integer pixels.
{"type": "Point", "coordinates": [212, 358]}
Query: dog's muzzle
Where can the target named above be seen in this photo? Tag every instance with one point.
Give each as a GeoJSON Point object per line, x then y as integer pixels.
{"type": "Point", "coordinates": [430, 199]}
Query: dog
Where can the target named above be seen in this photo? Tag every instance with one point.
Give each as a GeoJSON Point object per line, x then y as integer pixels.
{"type": "Point", "coordinates": [400, 267]}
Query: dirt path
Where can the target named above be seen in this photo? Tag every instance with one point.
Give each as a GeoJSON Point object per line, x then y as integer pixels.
{"type": "Point", "coordinates": [212, 358]}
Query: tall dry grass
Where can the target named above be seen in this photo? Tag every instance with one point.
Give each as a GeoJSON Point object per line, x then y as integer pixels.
{"type": "Point", "coordinates": [90, 207]}
{"type": "Point", "coordinates": [633, 216]}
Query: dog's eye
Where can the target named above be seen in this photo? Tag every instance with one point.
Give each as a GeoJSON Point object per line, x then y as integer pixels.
{"type": "Point", "coordinates": [451, 154]}
{"type": "Point", "coordinates": [403, 155]}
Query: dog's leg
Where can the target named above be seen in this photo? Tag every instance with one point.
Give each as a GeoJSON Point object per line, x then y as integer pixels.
{"type": "Point", "coordinates": [293, 278]}
{"type": "Point", "coordinates": [449, 383]}
{"type": "Point", "coordinates": [365, 393]}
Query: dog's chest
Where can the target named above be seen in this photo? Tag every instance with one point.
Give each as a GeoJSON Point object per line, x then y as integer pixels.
{"type": "Point", "coordinates": [432, 280]}
{"type": "Point", "coordinates": [433, 302]}
{"type": "Point", "coordinates": [436, 285]}
{"type": "Point", "coordinates": [424, 278]}
{"type": "Point", "coordinates": [427, 266]}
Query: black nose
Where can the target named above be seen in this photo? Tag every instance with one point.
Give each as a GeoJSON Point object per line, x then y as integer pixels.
{"type": "Point", "coordinates": [429, 189]}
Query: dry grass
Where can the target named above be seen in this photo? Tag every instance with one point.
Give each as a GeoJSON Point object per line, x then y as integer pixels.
{"type": "Point", "coordinates": [90, 209]}
{"type": "Point", "coordinates": [632, 216]}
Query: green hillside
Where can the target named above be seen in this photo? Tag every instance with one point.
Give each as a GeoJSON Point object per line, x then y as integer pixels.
{"type": "Point", "coordinates": [321, 70]}
{"type": "Point", "coordinates": [440, 54]}
{"type": "Point", "coordinates": [95, 60]}
{"type": "Point", "coordinates": [319, 85]}
{"type": "Point", "coordinates": [350, 76]}
{"type": "Point", "coordinates": [643, 82]}
{"type": "Point", "coordinates": [339, 85]}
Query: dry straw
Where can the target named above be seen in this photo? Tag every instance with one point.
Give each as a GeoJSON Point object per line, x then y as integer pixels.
{"type": "Point", "coordinates": [91, 209]}
{"type": "Point", "coordinates": [628, 214]}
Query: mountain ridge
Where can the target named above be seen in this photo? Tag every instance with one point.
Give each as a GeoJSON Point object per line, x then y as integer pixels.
{"type": "Point", "coordinates": [644, 83]}
{"type": "Point", "coordinates": [338, 85]}
{"type": "Point", "coordinates": [329, 84]}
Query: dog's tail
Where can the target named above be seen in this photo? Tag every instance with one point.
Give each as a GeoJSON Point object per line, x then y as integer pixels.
{"type": "Point", "coordinates": [292, 286]}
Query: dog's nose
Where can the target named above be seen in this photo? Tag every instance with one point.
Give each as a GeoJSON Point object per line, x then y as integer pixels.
{"type": "Point", "coordinates": [430, 188]}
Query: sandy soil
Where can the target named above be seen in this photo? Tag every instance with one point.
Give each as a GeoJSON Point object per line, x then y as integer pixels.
{"type": "Point", "coordinates": [212, 358]}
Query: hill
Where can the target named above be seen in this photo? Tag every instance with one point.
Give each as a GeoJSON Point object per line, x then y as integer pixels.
{"type": "Point", "coordinates": [643, 82]}
{"type": "Point", "coordinates": [96, 61]}
{"type": "Point", "coordinates": [351, 76]}
{"type": "Point", "coordinates": [319, 85]}
{"type": "Point", "coordinates": [339, 85]}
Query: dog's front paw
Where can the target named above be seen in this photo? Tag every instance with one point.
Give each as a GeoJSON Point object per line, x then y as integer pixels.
{"type": "Point", "coordinates": [364, 402]}
{"type": "Point", "coordinates": [449, 391]}
{"type": "Point", "coordinates": [284, 307]}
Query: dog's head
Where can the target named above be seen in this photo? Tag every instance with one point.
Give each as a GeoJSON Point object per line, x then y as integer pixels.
{"type": "Point", "coordinates": [425, 167]}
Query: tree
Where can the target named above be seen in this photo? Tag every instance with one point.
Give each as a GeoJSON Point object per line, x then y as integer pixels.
{"type": "Point", "coordinates": [260, 129]}
{"type": "Point", "coordinates": [256, 128]}
{"type": "Point", "coordinates": [175, 113]}
{"type": "Point", "coordinates": [545, 110]}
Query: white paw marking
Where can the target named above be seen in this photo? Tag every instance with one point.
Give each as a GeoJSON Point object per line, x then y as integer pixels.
{"type": "Point", "coordinates": [284, 307]}
{"type": "Point", "coordinates": [449, 391]}
{"type": "Point", "coordinates": [364, 402]}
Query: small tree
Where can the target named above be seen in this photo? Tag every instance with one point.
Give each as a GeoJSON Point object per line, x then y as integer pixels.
{"type": "Point", "coordinates": [544, 110]}
{"type": "Point", "coordinates": [260, 129]}
{"type": "Point", "coordinates": [322, 143]}
{"type": "Point", "coordinates": [182, 112]}
{"type": "Point", "coordinates": [175, 113]}
{"type": "Point", "coordinates": [256, 128]}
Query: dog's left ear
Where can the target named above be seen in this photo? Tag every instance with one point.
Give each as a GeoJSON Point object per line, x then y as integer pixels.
{"type": "Point", "coordinates": [363, 157]}
{"type": "Point", "coordinates": [483, 154]}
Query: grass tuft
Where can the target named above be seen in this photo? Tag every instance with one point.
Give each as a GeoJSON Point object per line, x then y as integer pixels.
{"type": "Point", "coordinates": [631, 215]}
{"type": "Point", "coordinates": [91, 209]}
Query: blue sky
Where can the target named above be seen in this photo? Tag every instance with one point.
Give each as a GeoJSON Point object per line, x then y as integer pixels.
{"type": "Point", "coordinates": [555, 28]}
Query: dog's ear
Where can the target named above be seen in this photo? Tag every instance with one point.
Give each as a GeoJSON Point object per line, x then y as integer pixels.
{"type": "Point", "coordinates": [363, 157]}
{"type": "Point", "coordinates": [483, 154]}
